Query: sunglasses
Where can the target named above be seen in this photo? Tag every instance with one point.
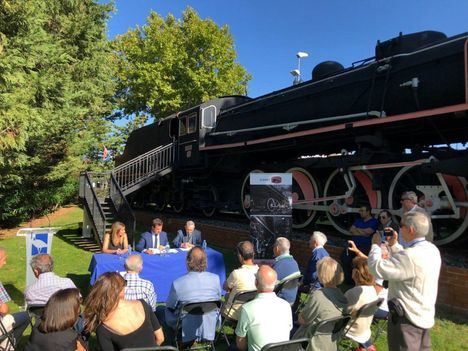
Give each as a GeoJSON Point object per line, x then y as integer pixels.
{"type": "Point", "coordinates": [403, 199]}
{"type": "Point", "coordinates": [383, 217]}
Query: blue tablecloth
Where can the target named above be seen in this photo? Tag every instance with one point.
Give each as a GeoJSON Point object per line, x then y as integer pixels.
{"type": "Point", "coordinates": [160, 270]}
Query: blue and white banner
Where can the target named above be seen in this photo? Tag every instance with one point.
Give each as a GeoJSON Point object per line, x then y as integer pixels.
{"type": "Point", "coordinates": [38, 241]}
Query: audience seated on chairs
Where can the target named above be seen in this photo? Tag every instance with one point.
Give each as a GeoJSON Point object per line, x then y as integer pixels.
{"type": "Point", "coordinates": [54, 331]}
{"type": "Point", "coordinates": [267, 318]}
{"type": "Point", "coordinates": [363, 293]}
{"type": "Point", "coordinates": [323, 304]}
{"type": "Point", "coordinates": [286, 267]}
{"type": "Point", "coordinates": [156, 238]}
{"type": "Point", "coordinates": [138, 288]}
{"type": "Point", "coordinates": [47, 281]}
{"type": "Point", "coordinates": [116, 242]}
{"type": "Point", "coordinates": [17, 321]}
{"type": "Point", "coordinates": [188, 237]}
{"type": "Point", "coordinates": [241, 279]}
{"type": "Point", "coordinates": [195, 286]}
{"type": "Point", "coordinates": [120, 323]}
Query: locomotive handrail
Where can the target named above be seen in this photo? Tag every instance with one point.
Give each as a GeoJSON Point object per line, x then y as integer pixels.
{"type": "Point", "coordinates": [291, 125]}
{"type": "Point", "coordinates": [124, 211]}
{"type": "Point", "coordinates": [91, 200]}
{"type": "Point", "coordinates": [141, 168]}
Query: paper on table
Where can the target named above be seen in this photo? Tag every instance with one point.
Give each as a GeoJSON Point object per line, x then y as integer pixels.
{"type": "Point", "coordinates": [185, 248]}
{"type": "Point", "coordinates": [172, 251]}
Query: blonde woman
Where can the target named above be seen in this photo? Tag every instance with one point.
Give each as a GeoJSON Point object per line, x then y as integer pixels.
{"type": "Point", "coordinates": [116, 242]}
{"type": "Point", "coordinates": [328, 302]}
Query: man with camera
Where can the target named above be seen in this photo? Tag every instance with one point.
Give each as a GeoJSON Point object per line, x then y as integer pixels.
{"type": "Point", "coordinates": [412, 275]}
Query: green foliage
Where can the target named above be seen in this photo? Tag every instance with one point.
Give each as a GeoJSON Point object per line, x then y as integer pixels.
{"type": "Point", "coordinates": [56, 88]}
{"type": "Point", "coordinates": [170, 64]}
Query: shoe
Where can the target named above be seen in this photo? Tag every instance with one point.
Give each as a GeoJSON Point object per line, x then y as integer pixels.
{"type": "Point", "coordinates": [372, 348]}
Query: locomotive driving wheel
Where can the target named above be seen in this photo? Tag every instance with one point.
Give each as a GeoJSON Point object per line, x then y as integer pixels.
{"type": "Point", "coordinates": [304, 189]}
{"type": "Point", "coordinates": [443, 196]}
{"type": "Point", "coordinates": [212, 198]}
{"type": "Point", "coordinates": [344, 203]}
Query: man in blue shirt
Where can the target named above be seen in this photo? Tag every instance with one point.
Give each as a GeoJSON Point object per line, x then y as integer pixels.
{"type": "Point", "coordinates": [316, 243]}
{"type": "Point", "coordinates": [286, 267]}
{"type": "Point", "coordinates": [195, 286]}
{"type": "Point", "coordinates": [362, 230]}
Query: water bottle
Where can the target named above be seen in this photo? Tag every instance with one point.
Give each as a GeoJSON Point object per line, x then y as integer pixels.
{"type": "Point", "coordinates": [129, 250]}
{"type": "Point", "coordinates": [203, 245]}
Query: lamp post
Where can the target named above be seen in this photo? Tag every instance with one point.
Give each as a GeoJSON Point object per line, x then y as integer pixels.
{"type": "Point", "coordinates": [297, 72]}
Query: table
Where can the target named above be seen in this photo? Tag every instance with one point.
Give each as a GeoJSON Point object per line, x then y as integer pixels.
{"type": "Point", "coordinates": [161, 270]}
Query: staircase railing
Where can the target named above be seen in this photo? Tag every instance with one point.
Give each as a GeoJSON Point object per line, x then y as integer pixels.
{"type": "Point", "coordinates": [136, 170]}
{"type": "Point", "coordinates": [124, 211]}
{"type": "Point", "coordinates": [88, 193]}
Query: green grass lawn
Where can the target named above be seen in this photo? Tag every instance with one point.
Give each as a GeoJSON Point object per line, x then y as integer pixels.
{"type": "Point", "coordinates": [71, 261]}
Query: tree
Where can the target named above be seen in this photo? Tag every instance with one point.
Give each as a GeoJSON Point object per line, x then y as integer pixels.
{"type": "Point", "coordinates": [169, 64]}
{"type": "Point", "coordinates": [56, 88]}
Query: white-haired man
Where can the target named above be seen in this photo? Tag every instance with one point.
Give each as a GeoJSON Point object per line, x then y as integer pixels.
{"type": "Point", "coordinates": [47, 283]}
{"type": "Point", "coordinates": [412, 275]}
{"type": "Point", "coordinates": [409, 203]}
{"type": "Point", "coordinates": [316, 243]}
{"type": "Point", "coordinates": [138, 288]}
{"type": "Point", "coordinates": [188, 237]}
{"type": "Point", "coordinates": [267, 318]}
{"type": "Point", "coordinates": [286, 267]}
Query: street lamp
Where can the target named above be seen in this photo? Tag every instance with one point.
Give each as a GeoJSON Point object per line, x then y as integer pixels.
{"type": "Point", "coordinates": [297, 72]}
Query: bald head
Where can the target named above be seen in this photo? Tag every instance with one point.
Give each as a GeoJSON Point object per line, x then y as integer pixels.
{"type": "Point", "coordinates": [266, 279]}
{"type": "Point", "coordinates": [134, 264]}
{"type": "Point", "coordinates": [196, 260]}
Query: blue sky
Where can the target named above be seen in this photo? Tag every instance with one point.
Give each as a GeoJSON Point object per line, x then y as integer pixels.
{"type": "Point", "coordinates": [267, 34]}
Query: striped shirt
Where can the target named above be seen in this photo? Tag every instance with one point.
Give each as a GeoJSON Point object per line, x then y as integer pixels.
{"type": "Point", "coordinates": [138, 288]}
{"type": "Point", "coordinates": [46, 285]}
{"type": "Point", "coordinates": [4, 297]}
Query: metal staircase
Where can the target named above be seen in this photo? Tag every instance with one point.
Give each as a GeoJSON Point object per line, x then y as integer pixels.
{"type": "Point", "coordinates": [103, 194]}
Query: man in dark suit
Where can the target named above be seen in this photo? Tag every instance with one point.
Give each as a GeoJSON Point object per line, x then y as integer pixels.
{"type": "Point", "coordinates": [155, 238]}
{"type": "Point", "coordinates": [188, 237]}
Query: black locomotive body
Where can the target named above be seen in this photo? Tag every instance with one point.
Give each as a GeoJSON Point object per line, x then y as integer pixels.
{"type": "Point", "coordinates": [349, 136]}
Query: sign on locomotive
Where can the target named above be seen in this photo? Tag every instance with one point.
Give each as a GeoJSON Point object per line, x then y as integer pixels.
{"type": "Point", "coordinates": [349, 136]}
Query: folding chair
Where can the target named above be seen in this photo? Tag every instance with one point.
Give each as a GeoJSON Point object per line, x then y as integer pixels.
{"type": "Point", "coordinates": [292, 345]}
{"type": "Point", "coordinates": [365, 311]}
{"type": "Point", "coordinates": [288, 283]}
{"type": "Point", "coordinates": [153, 348]}
{"type": "Point", "coordinates": [7, 338]}
{"type": "Point", "coordinates": [195, 309]}
{"type": "Point", "coordinates": [35, 312]}
{"type": "Point", "coordinates": [240, 298]}
{"type": "Point", "coordinates": [333, 329]}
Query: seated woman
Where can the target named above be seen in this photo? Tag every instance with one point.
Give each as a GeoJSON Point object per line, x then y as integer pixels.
{"type": "Point", "coordinates": [328, 302]}
{"type": "Point", "coordinates": [118, 323]}
{"type": "Point", "coordinates": [55, 329]}
{"type": "Point", "coordinates": [363, 293]}
{"type": "Point", "coordinates": [116, 242]}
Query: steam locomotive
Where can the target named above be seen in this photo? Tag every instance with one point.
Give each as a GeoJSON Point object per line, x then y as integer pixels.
{"type": "Point", "coordinates": [364, 134]}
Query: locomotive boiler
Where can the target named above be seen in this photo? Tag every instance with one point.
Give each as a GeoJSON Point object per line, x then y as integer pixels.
{"type": "Point", "coordinates": [364, 134]}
